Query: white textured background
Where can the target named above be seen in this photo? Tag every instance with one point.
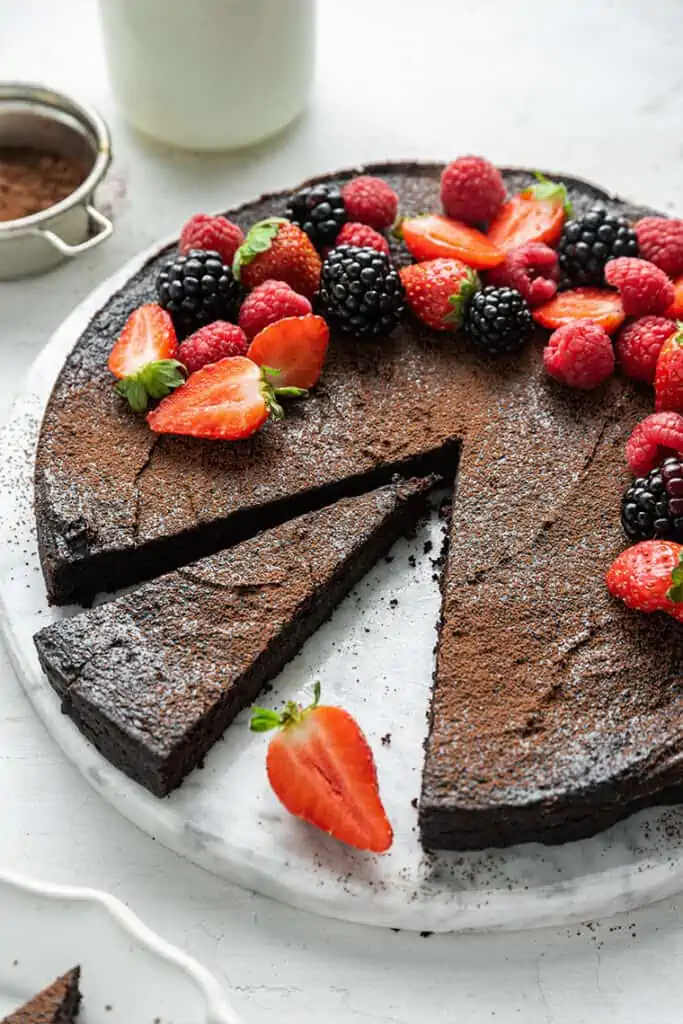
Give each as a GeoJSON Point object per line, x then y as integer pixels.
{"type": "Point", "coordinates": [592, 87]}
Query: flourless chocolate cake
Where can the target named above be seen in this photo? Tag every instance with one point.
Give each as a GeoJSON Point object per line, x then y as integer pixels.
{"type": "Point", "coordinates": [555, 711]}
{"type": "Point", "coordinates": [154, 677]}
{"type": "Point", "coordinates": [57, 1004]}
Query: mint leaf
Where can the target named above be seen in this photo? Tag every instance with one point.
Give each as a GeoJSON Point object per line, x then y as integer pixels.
{"type": "Point", "coordinates": [551, 190]}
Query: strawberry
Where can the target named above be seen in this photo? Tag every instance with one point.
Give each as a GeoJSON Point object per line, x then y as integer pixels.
{"type": "Point", "coordinates": [277, 250]}
{"type": "Point", "coordinates": [596, 304]}
{"type": "Point", "coordinates": [295, 347]}
{"type": "Point", "coordinates": [431, 236]}
{"type": "Point", "coordinates": [438, 291]}
{"type": "Point", "coordinates": [321, 768]}
{"type": "Point", "coordinates": [675, 310]}
{"type": "Point", "coordinates": [227, 400]}
{"type": "Point", "coordinates": [669, 373]}
{"type": "Point", "coordinates": [535, 215]}
{"type": "Point", "coordinates": [144, 357]}
{"type": "Point", "coordinates": [649, 577]}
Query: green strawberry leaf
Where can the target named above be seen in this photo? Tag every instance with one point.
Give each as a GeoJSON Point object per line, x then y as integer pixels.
{"type": "Point", "coordinates": [259, 239]}
{"type": "Point", "coordinates": [155, 380]}
{"type": "Point", "coordinates": [461, 299]}
{"type": "Point", "coordinates": [264, 719]}
{"type": "Point", "coordinates": [552, 190]}
{"type": "Point", "coordinates": [675, 591]}
{"type": "Point", "coordinates": [678, 336]}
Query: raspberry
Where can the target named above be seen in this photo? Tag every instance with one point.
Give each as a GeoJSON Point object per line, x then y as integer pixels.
{"type": "Point", "coordinates": [211, 343]}
{"type": "Point", "coordinates": [660, 241]}
{"type": "Point", "coordinates": [579, 354]}
{"type": "Point", "coordinates": [269, 302]}
{"type": "Point", "coordinates": [362, 236]}
{"type": "Point", "coordinates": [370, 201]}
{"type": "Point", "coordinates": [643, 287]}
{"type": "Point", "coordinates": [216, 233]}
{"type": "Point", "coordinates": [652, 440]}
{"type": "Point", "coordinates": [472, 189]}
{"type": "Point", "coordinates": [639, 344]}
{"type": "Point", "coordinates": [532, 269]}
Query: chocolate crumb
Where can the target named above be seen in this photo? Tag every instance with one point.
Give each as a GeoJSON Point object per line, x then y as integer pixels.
{"type": "Point", "coordinates": [386, 740]}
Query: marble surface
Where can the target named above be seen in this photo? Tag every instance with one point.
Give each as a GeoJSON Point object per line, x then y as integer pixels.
{"type": "Point", "coordinates": [595, 88]}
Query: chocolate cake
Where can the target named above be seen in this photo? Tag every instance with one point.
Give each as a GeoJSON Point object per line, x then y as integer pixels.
{"type": "Point", "coordinates": [154, 677]}
{"type": "Point", "coordinates": [56, 1004]}
{"type": "Point", "coordinates": [555, 710]}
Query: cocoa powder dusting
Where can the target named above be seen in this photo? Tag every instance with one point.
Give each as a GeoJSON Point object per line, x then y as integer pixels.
{"type": "Point", "coordinates": [32, 180]}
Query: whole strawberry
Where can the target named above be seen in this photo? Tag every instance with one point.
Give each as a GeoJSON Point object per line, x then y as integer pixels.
{"type": "Point", "coordinates": [649, 577]}
{"type": "Point", "coordinates": [643, 287]}
{"type": "Point", "coordinates": [276, 250]}
{"type": "Point", "coordinates": [669, 373]}
{"type": "Point", "coordinates": [268, 303]}
{"type": "Point", "coordinates": [215, 341]}
{"type": "Point", "coordinates": [639, 344]}
{"type": "Point", "coordinates": [660, 241]}
{"type": "Point", "coordinates": [439, 291]}
{"type": "Point", "coordinates": [370, 200]}
{"type": "Point", "coordinates": [472, 189]}
{"type": "Point", "coordinates": [216, 233]}
{"type": "Point", "coordinates": [532, 269]}
{"type": "Point", "coordinates": [362, 236]}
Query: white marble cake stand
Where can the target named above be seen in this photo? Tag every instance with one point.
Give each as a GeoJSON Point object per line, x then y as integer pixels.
{"type": "Point", "coordinates": [374, 657]}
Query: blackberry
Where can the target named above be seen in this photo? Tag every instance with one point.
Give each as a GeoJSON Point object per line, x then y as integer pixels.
{"type": "Point", "coordinates": [320, 212]}
{"type": "Point", "coordinates": [360, 289]}
{"type": "Point", "coordinates": [591, 241]}
{"type": "Point", "coordinates": [197, 289]}
{"type": "Point", "coordinates": [653, 505]}
{"type": "Point", "coordinates": [498, 320]}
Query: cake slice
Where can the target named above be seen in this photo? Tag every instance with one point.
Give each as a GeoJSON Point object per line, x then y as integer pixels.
{"type": "Point", "coordinates": [154, 677]}
{"type": "Point", "coordinates": [56, 1004]}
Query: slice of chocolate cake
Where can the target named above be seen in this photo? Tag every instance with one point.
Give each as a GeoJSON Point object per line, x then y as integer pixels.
{"type": "Point", "coordinates": [56, 1004]}
{"type": "Point", "coordinates": [154, 677]}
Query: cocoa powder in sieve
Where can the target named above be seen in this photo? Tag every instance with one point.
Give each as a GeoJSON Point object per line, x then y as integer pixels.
{"type": "Point", "coordinates": [32, 180]}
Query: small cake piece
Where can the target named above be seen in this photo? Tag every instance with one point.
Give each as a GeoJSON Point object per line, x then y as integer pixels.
{"type": "Point", "coordinates": [57, 1004]}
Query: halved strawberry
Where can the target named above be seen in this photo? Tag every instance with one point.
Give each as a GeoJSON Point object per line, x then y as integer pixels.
{"type": "Point", "coordinates": [295, 346]}
{"type": "Point", "coordinates": [144, 357]}
{"type": "Point", "coordinates": [669, 372]}
{"type": "Point", "coordinates": [675, 310]}
{"type": "Point", "coordinates": [535, 215]}
{"type": "Point", "coordinates": [596, 304]}
{"type": "Point", "coordinates": [226, 400]}
{"type": "Point", "coordinates": [321, 768]}
{"type": "Point", "coordinates": [432, 236]}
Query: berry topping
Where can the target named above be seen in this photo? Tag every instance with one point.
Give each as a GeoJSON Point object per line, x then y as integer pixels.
{"type": "Point", "coordinates": [438, 291]}
{"type": "Point", "coordinates": [532, 270]}
{"type": "Point", "coordinates": [370, 201]}
{"type": "Point", "coordinates": [669, 373]}
{"type": "Point", "coordinates": [639, 344]}
{"type": "Point", "coordinates": [498, 321]}
{"type": "Point", "coordinates": [196, 289]}
{"type": "Point", "coordinates": [211, 343]}
{"type": "Point", "coordinates": [651, 440]}
{"type": "Point", "coordinates": [319, 211]}
{"type": "Point", "coordinates": [276, 250]}
{"type": "Point", "coordinates": [580, 355]}
{"type": "Point", "coordinates": [363, 237]}
{"type": "Point", "coordinates": [653, 505]}
{"type": "Point", "coordinates": [649, 577]}
{"type": "Point", "coordinates": [270, 301]}
{"type": "Point", "coordinates": [660, 241]}
{"type": "Point", "coordinates": [535, 215]}
{"type": "Point", "coordinates": [472, 190]}
{"type": "Point", "coordinates": [321, 768]}
{"type": "Point", "coordinates": [431, 237]}
{"type": "Point", "coordinates": [596, 304]}
{"type": "Point", "coordinates": [226, 401]}
{"type": "Point", "coordinates": [675, 310]}
{"type": "Point", "coordinates": [643, 287]}
{"type": "Point", "coordinates": [361, 290]}
{"type": "Point", "coordinates": [292, 350]}
{"type": "Point", "coordinates": [214, 233]}
{"type": "Point", "coordinates": [144, 357]}
{"type": "Point", "coordinates": [590, 242]}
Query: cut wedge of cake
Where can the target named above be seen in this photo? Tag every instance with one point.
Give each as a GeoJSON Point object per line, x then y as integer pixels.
{"type": "Point", "coordinates": [154, 677]}
{"type": "Point", "coordinates": [56, 1004]}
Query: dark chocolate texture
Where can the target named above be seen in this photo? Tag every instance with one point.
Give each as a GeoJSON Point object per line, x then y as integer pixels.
{"type": "Point", "coordinates": [57, 1004]}
{"type": "Point", "coordinates": [154, 677]}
